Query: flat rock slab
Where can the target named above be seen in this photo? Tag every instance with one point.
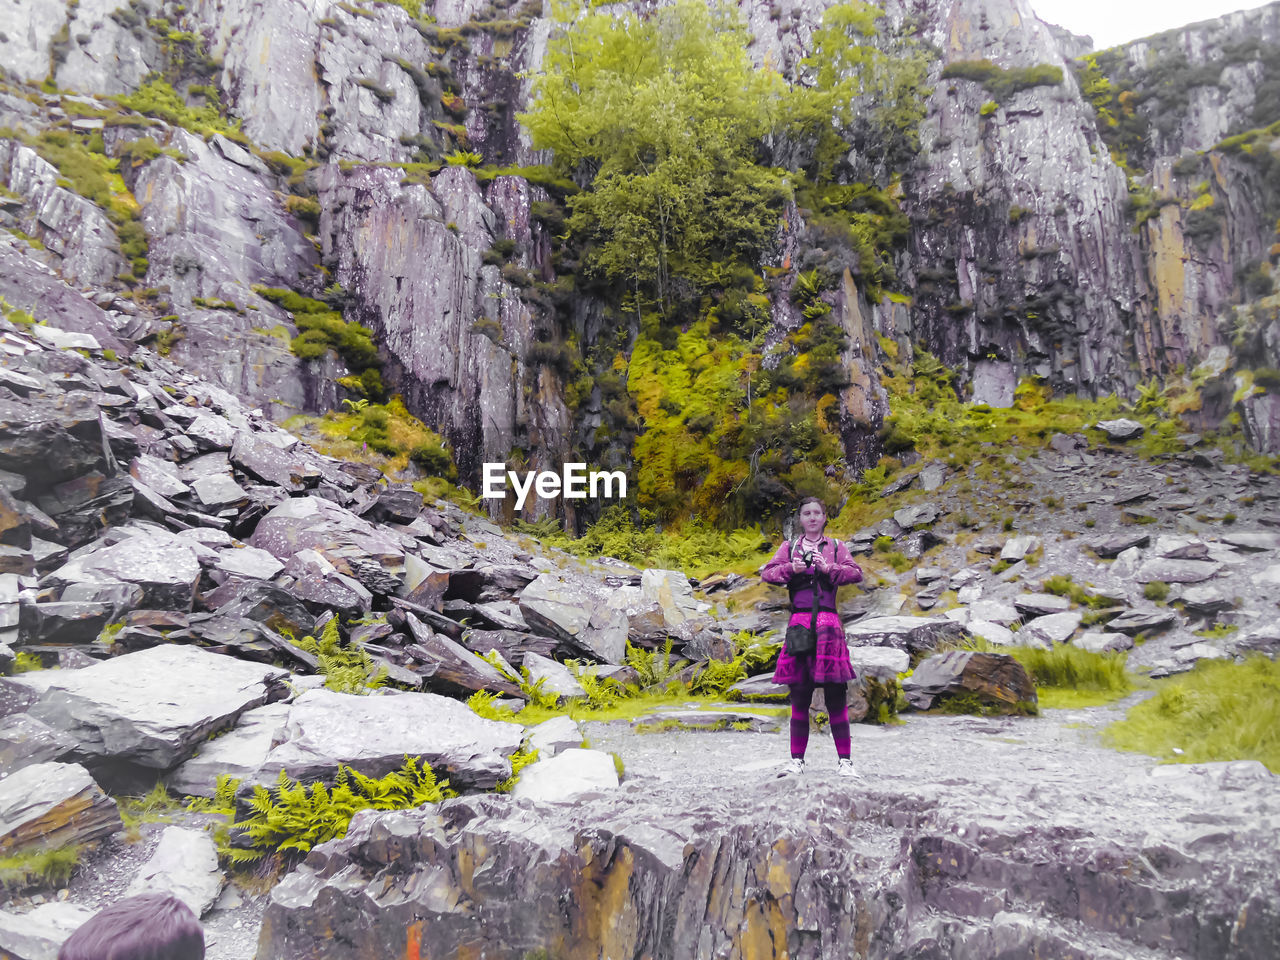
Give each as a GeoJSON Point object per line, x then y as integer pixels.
{"type": "Point", "coordinates": [1099, 641]}
{"type": "Point", "coordinates": [1117, 544]}
{"type": "Point", "coordinates": [238, 753]}
{"type": "Point", "coordinates": [153, 707]}
{"type": "Point", "coordinates": [1040, 604]}
{"type": "Point", "coordinates": [164, 566]}
{"type": "Point", "coordinates": [711, 720]}
{"type": "Point", "coordinates": [185, 864]}
{"type": "Point", "coordinates": [995, 611]}
{"type": "Point", "coordinates": [996, 633]}
{"type": "Point", "coordinates": [373, 734]}
{"type": "Point", "coordinates": [1251, 540]}
{"type": "Point", "coordinates": [1052, 628]}
{"type": "Point", "coordinates": [566, 775]}
{"type": "Point", "coordinates": [24, 740]}
{"type": "Point", "coordinates": [53, 805]}
{"type": "Point", "coordinates": [39, 934]}
{"type": "Point", "coordinates": [762, 687]}
{"type": "Point", "coordinates": [1177, 571]}
{"type": "Point", "coordinates": [1136, 621]}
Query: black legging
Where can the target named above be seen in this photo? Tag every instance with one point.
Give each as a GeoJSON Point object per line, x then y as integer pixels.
{"type": "Point", "coordinates": [837, 712]}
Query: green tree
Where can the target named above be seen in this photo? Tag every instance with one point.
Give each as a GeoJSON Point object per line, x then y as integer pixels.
{"type": "Point", "coordinates": [660, 117]}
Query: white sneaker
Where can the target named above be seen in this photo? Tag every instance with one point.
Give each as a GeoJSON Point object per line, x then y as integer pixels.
{"type": "Point", "coordinates": [845, 768]}
{"type": "Point", "coordinates": [796, 765]}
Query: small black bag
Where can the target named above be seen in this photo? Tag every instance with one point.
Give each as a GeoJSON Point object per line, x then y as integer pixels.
{"type": "Point", "coordinates": [801, 641]}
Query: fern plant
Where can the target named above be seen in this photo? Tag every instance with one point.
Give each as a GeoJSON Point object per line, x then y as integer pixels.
{"type": "Point", "coordinates": [601, 692]}
{"type": "Point", "coordinates": [519, 760]}
{"type": "Point", "coordinates": [223, 800]}
{"type": "Point", "coordinates": [481, 703]}
{"type": "Point", "coordinates": [653, 667]}
{"type": "Point", "coordinates": [534, 692]}
{"type": "Point", "coordinates": [296, 817]}
{"type": "Point", "coordinates": [347, 667]}
{"type": "Point", "coordinates": [718, 676]}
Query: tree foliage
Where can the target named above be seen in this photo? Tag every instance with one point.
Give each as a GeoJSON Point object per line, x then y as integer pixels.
{"type": "Point", "coordinates": [661, 116]}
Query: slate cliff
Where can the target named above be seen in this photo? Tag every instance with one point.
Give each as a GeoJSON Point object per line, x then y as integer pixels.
{"type": "Point", "coordinates": [1093, 230]}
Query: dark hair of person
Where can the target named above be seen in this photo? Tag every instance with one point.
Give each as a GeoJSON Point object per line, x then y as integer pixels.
{"type": "Point", "coordinates": [150, 926]}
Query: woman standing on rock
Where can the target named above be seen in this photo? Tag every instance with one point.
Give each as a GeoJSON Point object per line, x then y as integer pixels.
{"type": "Point", "coordinates": [815, 564]}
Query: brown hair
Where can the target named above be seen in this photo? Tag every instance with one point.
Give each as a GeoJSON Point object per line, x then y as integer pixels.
{"type": "Point", "coordinates": [150, 926]}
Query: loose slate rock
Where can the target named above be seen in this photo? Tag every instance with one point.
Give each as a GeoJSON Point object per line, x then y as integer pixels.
{"type": "Point", "coordinates": [1121, 429]}
{"type": "Point", "coordinates": [1133, 622]}
{"type": "Point", "coordinates": [53, 805]}
{"type": "Point", "coordinates": [916, 515]}
{"type": "Point", "coordinates": [552, 736]}
{"type": "Point", "coordinates": [568, 613]}
{"type": "Point", "coordinates": [184, 864]}
{"type": "Point", "coordinates": [1040, 604]}
{"type": "Point", "coordinates": [1017, 548]}
{"type": "Point", "coordinates": [762, 687]}
{"type": "Point", "coordinates": [566, 775]}
{"type": "Point", "coordinates": [1115, 545]}
{"type": "Point", "coordinates": [1177, 571]}
{"type": "Point", "coordinates": [1098, 641]}
{"type": "Point", "coordinates": [995, 677]}
{"type": "Point", "coordinates": [153, 707]}
{"type": "Point", "coordinates": [882, 663]}
{"type": "Point", "coordinates": [991, 632]}
{"type": "Point", "coordinates": [164, 566]}
{"type": "Point", "coordinates": [1051, 629]}
{"type": "Point", "coordinates": [1251, 540]}
{"type": "Point", "coordinates": [238, 753]}
{"type": "Point", "coordinates": [557, 676]}
{"type": "Point", "coordinates": [24, 741]}
{"type": "Point", "coordinates": [373, 735]}
{"type": "Point", "coordinates": [39, 934]}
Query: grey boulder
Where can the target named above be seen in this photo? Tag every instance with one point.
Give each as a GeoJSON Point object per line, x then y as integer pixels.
{"type": "Point", "coordinates": [152, 707]}
{"type": "Point", "coordinates": [184, 864]}
{"type": "Point", "coordinates": [374, 734]}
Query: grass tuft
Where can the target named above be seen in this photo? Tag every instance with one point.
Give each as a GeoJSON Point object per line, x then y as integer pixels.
{"type": "Point", "coordinates": [1220, 710]}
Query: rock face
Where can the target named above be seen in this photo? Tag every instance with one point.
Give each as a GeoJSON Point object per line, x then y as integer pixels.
{"type": "Point", "coordinates": [754, 873]}
{"type": "Point", "coordinates": [1012, 203]}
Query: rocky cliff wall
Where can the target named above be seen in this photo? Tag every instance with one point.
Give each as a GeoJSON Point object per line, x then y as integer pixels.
{"type": "Point", "coordinates": [1022, 256]}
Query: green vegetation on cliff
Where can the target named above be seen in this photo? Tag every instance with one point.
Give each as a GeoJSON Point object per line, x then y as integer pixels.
{"type": "Point", "coordinates": [685, 156]}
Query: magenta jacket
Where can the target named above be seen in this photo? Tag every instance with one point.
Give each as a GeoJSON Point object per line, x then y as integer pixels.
{"type": "Point", "coordinates": [801, 585]}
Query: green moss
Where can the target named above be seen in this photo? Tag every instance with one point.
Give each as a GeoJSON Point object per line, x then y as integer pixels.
{"type": "Point", "coordinates": [1156, 591]}
{"type": "Point", "coordinates": [157, 98]}
{"type": "Point", "coordinates": [1219, 711]}
{"type": "Point", "coordinates": [1001, 82]}
{"type": "Point", "coordinates": [40, 867]}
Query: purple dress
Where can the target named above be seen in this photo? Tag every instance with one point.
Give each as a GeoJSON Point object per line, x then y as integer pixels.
{"type": "Point", "coordinates": [829, 663]}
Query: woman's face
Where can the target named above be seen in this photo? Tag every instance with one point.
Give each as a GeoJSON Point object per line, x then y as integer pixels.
{"type": "Point", "coordinates": [812, 519]}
